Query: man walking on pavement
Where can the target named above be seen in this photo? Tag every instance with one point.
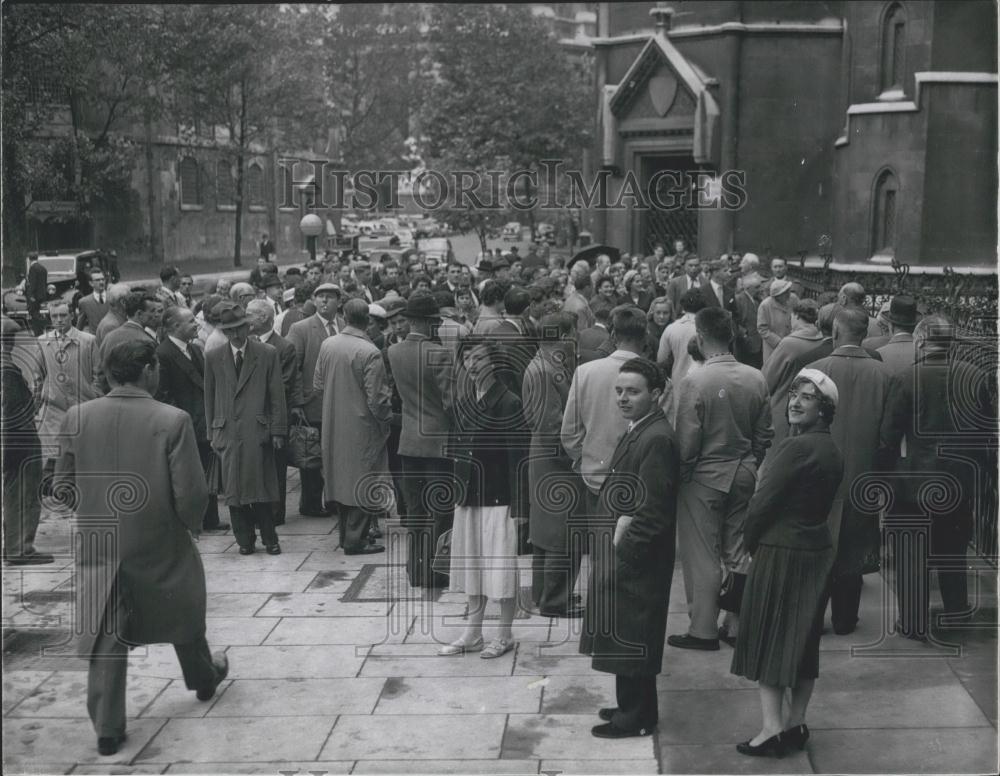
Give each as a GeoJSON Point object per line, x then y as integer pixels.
{"type": "Point", "coordinates": [245, 413]}
{"type": "Point", "coordinates": [357, 406]}
{"type": "Point", "coordinates": [139, 576]}
{"type": "Point", "coordinates": [723, 431]}
{"type": "Point", "coordinates": [307, 336]}
{"type": "Point", "coordinates": [182, 385]}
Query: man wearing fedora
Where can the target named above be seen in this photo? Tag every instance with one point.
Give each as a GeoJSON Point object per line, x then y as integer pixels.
{"type": "Point", "coordinates": [898, 353]}
{"type": "Point", "coordinates": [423, 372]}
{"type": "Point", "coordinates": [774, 316]}
{"type": "Point", "coordinates": [307, 335]}
{"type": "Point", "coordinates": [245, 413]}
{"type": "Point", "coordinates": [357, 409]}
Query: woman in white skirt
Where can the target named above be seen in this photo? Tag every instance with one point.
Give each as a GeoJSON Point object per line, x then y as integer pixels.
{"type": "Point", "coordinates": [491, 441]}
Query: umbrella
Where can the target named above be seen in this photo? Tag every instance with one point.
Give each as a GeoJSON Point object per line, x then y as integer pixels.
{"type": "Point", "coordinates": [591, 252]}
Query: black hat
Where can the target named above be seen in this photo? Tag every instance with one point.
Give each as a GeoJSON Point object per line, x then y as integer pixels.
{"type": "Point", "coordinates": [485, 265]}
{"type": "Point", "coordinates": [229, 315]}
{"type": "Point", "coordinates": [422, 306]}
{"type": "Point", "coordinates": [902, 311]}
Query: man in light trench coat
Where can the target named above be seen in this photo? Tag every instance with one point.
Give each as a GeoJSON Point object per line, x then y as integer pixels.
{"type": "Point", "coordinates": [140, 494]}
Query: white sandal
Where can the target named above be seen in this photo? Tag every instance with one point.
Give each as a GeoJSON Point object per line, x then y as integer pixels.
{"type": "Point", "coordinates": [497, 648]}
{"type": "Point", "coordinates": [460, 647]}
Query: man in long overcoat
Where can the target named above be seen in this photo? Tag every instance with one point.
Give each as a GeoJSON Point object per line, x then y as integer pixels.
{"type": "Point", "coordinates": [556, 490]}
{"type": "Point", "coordinates": [357, 408]}
{"type": "Point", "coordinates": [246, 418]}
{"type": "Point", "coordinates": [133, 463]}
{"type": "Point", "coordinates": [423, 372]}
{"type": "Point", "coordinates": [307, 336]}
{"type": "Point", "coordinates": [626, 617]}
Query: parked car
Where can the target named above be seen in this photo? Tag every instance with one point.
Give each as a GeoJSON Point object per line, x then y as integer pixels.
{"type": "Point", "coordinates": [66, 274]}
{"type": "Point", "coordinates": [545, 232]}
{"type": "Point", "coordinates": [438, 248]}
{"type": "Point", "coordinates": [406, 236]}
{"type": "Point", "coordinates": [511, 232]}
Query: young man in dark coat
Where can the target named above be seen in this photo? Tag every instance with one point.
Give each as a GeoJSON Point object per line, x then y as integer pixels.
{"type": "Point", "coordinates": [633, 593]}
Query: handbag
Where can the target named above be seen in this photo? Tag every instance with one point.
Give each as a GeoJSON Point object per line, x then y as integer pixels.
{"type": "Point", "coordinates": [304, 448]}
{"type": "Point", "coordinates": [441, 564]}
{"type": "Point", "coordinates": [213, 475]}
{"type": "Point", "coordinates": [731, 592]}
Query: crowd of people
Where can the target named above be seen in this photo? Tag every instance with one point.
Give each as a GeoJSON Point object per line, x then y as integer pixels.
{"type": "Point", "coordinates": [635, 411]}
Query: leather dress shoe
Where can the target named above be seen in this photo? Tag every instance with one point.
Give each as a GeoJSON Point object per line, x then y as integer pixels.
{"type": "Point", "coordinates": [687, 641]}
{"type": "Point", "coordinates": [274, 549]}
{"type": "Point", "coordinates": [221, 663]}
{"type": "Point", "coordinates": [109, 746]}
{"type": "Point", "coordinates": [608, 730]}
{"type": "Point", "coordinates": [370, 549]}
{"type": "Point", "coordinates": [772, 747]}
{"type": "Point", "coordinates": [796, 736]}
{"type": "Point", "coordinates": [569, 614]}
{"type": "Point", "coordinates": [246, 550]}
{"type": "Point", "coordinates": [725, 638]}
{"type": "Point", "coordinates": [30, 559]}
{"type": "Point", "coordinates": [607, 713]}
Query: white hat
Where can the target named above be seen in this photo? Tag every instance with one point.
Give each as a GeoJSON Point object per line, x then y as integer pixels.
{"type": "Point", "coordinates": [824, 384]}
{"type": "Point", "coordinates": [780, 286]}
{"type": "Point", "coordinates": [376, 311]}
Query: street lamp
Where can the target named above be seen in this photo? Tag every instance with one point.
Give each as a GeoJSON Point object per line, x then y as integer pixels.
{"type": "Point", "coordinates": [311, 226]}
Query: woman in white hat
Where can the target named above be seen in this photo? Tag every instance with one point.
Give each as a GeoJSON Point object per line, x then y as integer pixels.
{"type": "Point", "coordinates": [787, 536]}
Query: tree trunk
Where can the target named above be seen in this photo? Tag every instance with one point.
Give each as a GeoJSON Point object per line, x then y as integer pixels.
{"type": "Point", "coordinates": [15, 221]}
{"type": "Point", "coordinates": [154, 230]}
{"type": "Point", "coordinates": [481, 233]}
{"type": "Point", "coordinates": [240, 156]}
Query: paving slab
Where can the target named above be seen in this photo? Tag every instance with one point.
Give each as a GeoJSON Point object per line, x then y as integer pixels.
{"type": "Point", "coordinates": [329, 560]}
{"type": "Point", "coordinates": [38, 741]}
{"type": "Point", "coordinates": [320, 605]}
{"type": "Point", "coordinates": [723, 758]}
{"type": "Point", "coordinates": [416, 737]}
{"type": "Point", "coordinates": [259, 561]}
{"type": "Point", "coordinates": [250, 581]}
{"type": "Point", "coordinates": [280, 662]}
{"type": "Point", "coordinates": [340, 630]}
{"type": "Point", "coordinates": [177, 700]}
{"type": "Point", "coordinates": [296, 525]}
{"type": "Point", "coordinates": [460, 695]}
{"type": "Point", "coordinates": [253, 739]}
{"type": "Point", "coordinates": [40, 767]}
{"type": "Point", "coordinates": [238, 631]}
{"type": "Point", "coordinates": [120, 770]}
{"type": "Point", "coordinates": [569, 767]}
{"type": "Point", "coordinates": [235, 604]}
{"type": "Point", "coordinates": [17, 685]}
{"type": "Point", "coordinates": [917, 750]}
{"type": "Point", "coordinates": [513, 767]}
{"type": "Point", "coordinates": [159, 660]}
{"type": "Point", "coordinates": [297, 698]}
{"type": "Point", "coordinates": [272, 768]}
{"type": "Point", "coordinates": [64, 694]}
{"type": "Point", "coordinates": [296, 544]}
{"type": "Point", "coordinates": [578, 694]}
{"type": "Point", "coordinates": [566, 665]}
{"type": "Point", "coordinates": [924, 707]}
{"type": "Point", "coordinates": [209, 544]}
{"type": "Point", "coordinates": [415, 660]}
{"type": "Point", "coordinates": [550, 736]}
{"type": "Point", "coordinates": [697, 716]}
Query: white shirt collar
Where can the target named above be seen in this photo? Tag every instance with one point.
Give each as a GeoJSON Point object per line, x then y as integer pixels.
{"type": "Point", "coordinates": [266, 335]}
{"type": "Point", "coordinates": [234, 350]}
{"type": "Point", "coordinates": [149, 331]}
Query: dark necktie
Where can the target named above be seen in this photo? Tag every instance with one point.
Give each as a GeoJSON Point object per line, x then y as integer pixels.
{"type": "Point", "coordinates": [239, 362]}
{"type": "Point", "coordinates": [100, 298]}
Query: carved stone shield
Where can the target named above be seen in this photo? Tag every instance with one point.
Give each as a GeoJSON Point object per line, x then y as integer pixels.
{"type": "Point", "coordinates": [662, 90]}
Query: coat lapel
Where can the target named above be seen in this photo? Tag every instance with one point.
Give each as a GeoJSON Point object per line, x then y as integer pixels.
{"type": "Point", "coordinates": [249, 362]}
{"type": "Point", "coordinates": [630, 438]}
{"type": "Point", "coordinates": [186, 365]}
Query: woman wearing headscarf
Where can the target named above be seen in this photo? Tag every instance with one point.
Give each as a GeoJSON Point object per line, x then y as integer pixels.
{"type": "Point", "coordinates": [787, 536]}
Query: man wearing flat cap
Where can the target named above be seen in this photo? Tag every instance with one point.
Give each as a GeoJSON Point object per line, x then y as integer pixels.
{"type": "Point", "coordinates": [423, 372]}
{"type": "Point", "coordinates": [246, 417]}
{"type": "Point", "coordinates": [307, 335]}
{"type": "Point", "coordinates": [356, 405]}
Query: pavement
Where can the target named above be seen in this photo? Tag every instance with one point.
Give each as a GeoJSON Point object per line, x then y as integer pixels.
{"type": "Point", "coordinates": [333, 670]}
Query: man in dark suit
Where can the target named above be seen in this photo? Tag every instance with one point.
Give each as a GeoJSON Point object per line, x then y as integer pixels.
{"type": "Point", "coordinates": [92, 308]}
{"type": "Point", "coordinates": [423, 373]}
{"type": "Point", "coordinates": [747, 345]}
{"type": "Point", "coordinates": [692, 278]}
{"type": "Point", "coordinates": [260, 313]}
{"type": "Point", "coordinates": [36, 292]}
{"type": "Point", "coordinates": [307, 335]}
{"type": "Point", "coordinates": [626, 615]}
{"type": "Point", "coordinates": [246, 413]}
{"type": "Point", "coordinates": [595, 342]}
{"type": "Point", "coordinates": [723, 292]}
{"type": "Point", "coordinates": [519, 341]}
{"type": "Point", "coordinates": [116, 315]}
{"type": "Point", "coordinates": [182, 385]}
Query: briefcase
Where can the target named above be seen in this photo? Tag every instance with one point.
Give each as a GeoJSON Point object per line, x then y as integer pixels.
{"type": "Point", "coordinates": [304, 448]}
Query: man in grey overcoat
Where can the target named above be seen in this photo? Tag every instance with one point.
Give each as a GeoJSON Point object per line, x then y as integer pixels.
{"type": "Point", "coordinates": [140, 494]}
{"type": "Point", "coordinates": [357, 408]}
{"type": "Point", "coordinates": [245, 413]}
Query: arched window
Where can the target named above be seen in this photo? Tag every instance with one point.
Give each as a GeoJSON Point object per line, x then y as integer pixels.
{"type": "Point", "coordinates": [893, 48]}
{"type": "Point", "coordinates": [190, 178]}
{"type": "Point", "coordinates": [884, 214]}
{"type": "Point", "coordinates": [255, 185]}
{"type": "Point", "coordinates": [225, 194]}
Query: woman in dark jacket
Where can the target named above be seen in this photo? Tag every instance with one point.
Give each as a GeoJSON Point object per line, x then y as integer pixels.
{"type": "Point", "coordinates": [787, 535]}
{"type": "Point", "coordinates": [491, 442]}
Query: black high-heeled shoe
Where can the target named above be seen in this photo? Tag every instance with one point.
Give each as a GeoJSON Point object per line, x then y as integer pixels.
{"type": "Point", "coordinates": [796, 736]}
{"type": "Point", "coordinates": [772, 747]}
